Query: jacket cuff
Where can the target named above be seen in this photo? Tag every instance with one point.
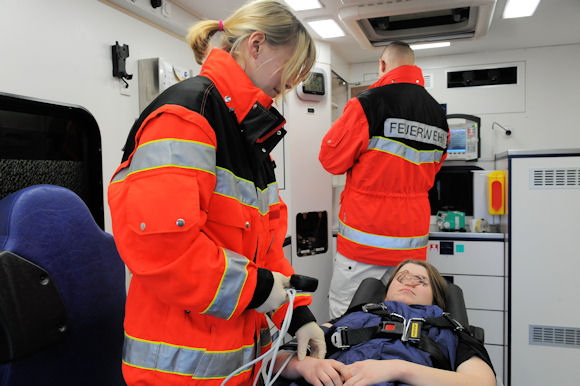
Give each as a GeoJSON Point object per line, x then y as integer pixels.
{"type": "Point", "coordinates": [300, 317]}
{"type": "Point", "coordinates": [264, 284]}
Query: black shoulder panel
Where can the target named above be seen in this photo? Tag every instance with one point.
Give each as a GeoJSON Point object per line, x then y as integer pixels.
{"type": "Point", "coordinates": [405, 101]}
{"type": "Point", "coordinates": [200, 95]}
{"type": "Point", "coordinates": [188, 93]}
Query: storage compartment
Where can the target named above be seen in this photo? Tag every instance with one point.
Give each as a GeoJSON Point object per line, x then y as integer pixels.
{"type": "Point", "coordinates": [453, 189]}
{"type": "Point", "coordinates": [477, 257]}
{"type": "Point", "coordinates": [481, 292]}
{"type": "Point", "coordinates": [491, 322]}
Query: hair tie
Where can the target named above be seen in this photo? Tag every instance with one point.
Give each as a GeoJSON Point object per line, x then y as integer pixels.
{"type": "Point", "coordinates": [221, 27]}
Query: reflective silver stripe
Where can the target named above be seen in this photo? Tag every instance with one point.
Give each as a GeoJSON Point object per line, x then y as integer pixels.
{"type": "Point", "coordinates": [170, 152]}
{"type": "Point", "coordinates": [269, 195]}
{"type": "Point", "coordinates": [196, 362]}
{"type": "Point", "coordinates": [416, 131]}
{"type": "Point", "coordinates": [385, 242]}
{"type": "Point", "coordinates": [230, 288]}
{"type": "Point", "coordinates": [399, 149]}
{"type": "Point", "coordinates": [244, 191]}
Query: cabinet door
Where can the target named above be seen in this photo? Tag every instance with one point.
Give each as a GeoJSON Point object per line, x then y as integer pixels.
{"type": "Point", "coordinates": [491, 322]}
{"type": "Point", "coordinates": [544, 267]}
{"type": "Point", "coordinates": [467, 257]}
{"type": "Point", "coordinates": [481, 292]}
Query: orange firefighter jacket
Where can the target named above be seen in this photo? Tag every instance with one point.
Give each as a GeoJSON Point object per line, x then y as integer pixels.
{"type": "Point", "coordinates": [391, 141]}
{"type": "Point", "coordinates": [197, 218]}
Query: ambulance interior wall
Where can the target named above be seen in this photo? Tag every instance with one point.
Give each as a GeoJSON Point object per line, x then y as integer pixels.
{"type": "Point", "coordinates": [540, 110]}
{"type": "Point", "coordinates": [60, 51]}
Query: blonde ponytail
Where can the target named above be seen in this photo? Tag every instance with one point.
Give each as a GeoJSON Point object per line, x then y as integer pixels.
{"type": "Point", "coordinates": [275, 20]}
{"type": "Point", "coordinates": [199, 36]}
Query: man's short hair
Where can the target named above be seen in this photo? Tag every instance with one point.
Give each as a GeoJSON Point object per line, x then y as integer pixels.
{"type": "Point", "coordinates": [398, 45]}
{"type": "Point", "coordinates": [399, 52]}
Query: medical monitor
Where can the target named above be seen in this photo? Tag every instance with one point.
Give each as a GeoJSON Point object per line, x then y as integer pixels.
{"type": "Point", "coordinates": [464, 137]}
{"type": "Point", "coordinates": [312, 88]}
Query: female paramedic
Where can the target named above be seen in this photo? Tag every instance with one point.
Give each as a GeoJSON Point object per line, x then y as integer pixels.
{"type": "Point", "coordinates": [412, 290]}
{"type": "Point", "coordinates": [196, 212]}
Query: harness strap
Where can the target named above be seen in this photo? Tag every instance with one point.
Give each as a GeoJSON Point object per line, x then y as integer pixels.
{"type": "Point", "coordinates": [341, 338]}
{"type": "Point", "coordinates": [393, 326]}
{"type": "Point", "coordinates": [444, 321]}
{"type": "Point", "coordinates": [439, 359]}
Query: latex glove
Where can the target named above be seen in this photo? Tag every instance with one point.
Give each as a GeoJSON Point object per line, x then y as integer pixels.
{"type": "Point", "coordinates": [311, 334]}
{"type": "Point", "coordinates": [278, 295]}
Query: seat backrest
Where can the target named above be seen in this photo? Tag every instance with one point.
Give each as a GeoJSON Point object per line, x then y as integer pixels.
{"type": "Point", "coordinates": [53, 231]}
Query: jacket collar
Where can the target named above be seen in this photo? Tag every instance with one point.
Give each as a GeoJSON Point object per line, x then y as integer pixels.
{"type": "Point", "coordinates": [402, 74]}
{"type": "Point", "coordinates": [260, 123]}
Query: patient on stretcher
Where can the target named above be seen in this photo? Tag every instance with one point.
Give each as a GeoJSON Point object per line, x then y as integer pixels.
{"type": "Point", "coordinates": [405, 339]}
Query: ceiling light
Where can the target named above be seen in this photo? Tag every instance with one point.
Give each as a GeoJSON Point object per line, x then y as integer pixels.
{"type": "Point", "coordinates": [326, 29]}
{"type": "Point", "coordinates": [425, 46]}
{"type": "Point", "coordinates": [520, 8]}
{"type": "Point", "coordinates": [302, 5]}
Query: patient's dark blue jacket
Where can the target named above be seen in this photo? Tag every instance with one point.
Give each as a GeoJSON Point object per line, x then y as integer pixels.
{"type": "Point", "coordinates": [394, 348]}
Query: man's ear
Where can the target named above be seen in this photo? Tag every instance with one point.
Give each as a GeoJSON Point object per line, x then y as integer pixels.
{"type": "Point", "coordinates": [382, 66]}
{"type": "Point", "coordinates": [255, 41]}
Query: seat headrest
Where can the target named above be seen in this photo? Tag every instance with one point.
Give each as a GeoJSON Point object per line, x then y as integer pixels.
{"type": "Point", "coordinates": [370, 290]}
{"type": "Point", "coordinates": [455, 304]}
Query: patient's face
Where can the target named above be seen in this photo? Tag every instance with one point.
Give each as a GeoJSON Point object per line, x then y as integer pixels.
{"type": "Point", "coordinates": [411, 286]}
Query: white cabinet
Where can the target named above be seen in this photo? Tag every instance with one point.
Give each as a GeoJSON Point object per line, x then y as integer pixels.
{"type": "Point", "coordinates": [543, 325]}
{"type": "Point", "coordinates": [475, 262]}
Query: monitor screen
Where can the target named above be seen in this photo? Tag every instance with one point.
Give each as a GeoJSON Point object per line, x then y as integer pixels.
{"type": "Point", "coordinates": [457, 140]}
{"type": "Point", "coordinates": [314, 84]}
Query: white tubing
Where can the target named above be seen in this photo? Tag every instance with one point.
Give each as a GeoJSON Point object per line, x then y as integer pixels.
{"type": "Point", "coordinates": [271, 354]}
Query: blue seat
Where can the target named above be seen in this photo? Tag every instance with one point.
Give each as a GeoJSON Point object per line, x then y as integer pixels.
{"type": "Point", "coordinates": [69, 281]}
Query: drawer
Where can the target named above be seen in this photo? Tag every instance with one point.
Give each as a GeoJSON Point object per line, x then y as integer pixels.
{"type": "Point", "coordinates": [467, 257]}
{"type": "Point", "coordinates": [481, 292]}
{"type": "Point", "coordinates": [491, 322]}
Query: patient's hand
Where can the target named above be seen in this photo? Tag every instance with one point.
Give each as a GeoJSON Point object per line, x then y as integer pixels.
{"type": "Point", "coordinates": [370, 371]}
{"type": "Point", "coordinates": [318, 372]}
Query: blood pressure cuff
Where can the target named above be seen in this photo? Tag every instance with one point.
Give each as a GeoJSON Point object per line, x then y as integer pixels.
{"type": "Point", "coordinates": [32, 313]}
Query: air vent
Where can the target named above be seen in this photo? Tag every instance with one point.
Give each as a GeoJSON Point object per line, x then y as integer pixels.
{"type": "Point", "coordinates": [555, 336]}
{"type": "Point", "coordinates": [482, 77]}
{"type": "Point", "coordinates": [561, 178]}
{"type": "Point", "coordinates": [376, 23]}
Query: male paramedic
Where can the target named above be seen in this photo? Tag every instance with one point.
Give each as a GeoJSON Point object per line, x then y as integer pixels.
{"type": "Point", "coordinates": [391, 141]}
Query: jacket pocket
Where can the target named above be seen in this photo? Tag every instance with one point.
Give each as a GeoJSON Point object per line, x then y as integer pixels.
{"type": "Point", "coordinates": [226, 223]}
{"type": "Point", "coordinates": [163, 203]}
{"type": "Point", "coordinates": [334, 138]}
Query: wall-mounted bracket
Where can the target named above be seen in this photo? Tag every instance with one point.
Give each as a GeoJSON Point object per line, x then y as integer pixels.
{"type": "Point", "coordinates": [119, 54]}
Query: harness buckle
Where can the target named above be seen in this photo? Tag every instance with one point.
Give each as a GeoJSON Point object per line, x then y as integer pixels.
{"type": "Point", "coordinates": [373, 307]}
{"type": "Point", "coordinates": [456, 325]}
{"type": "Point", "coordinates": [413, 330]}
{"type": "Point", "coordinates": [391, 327]}
{"type": "Point", "coordinates": [339, 339]}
